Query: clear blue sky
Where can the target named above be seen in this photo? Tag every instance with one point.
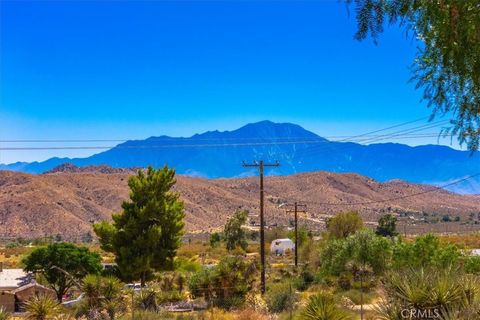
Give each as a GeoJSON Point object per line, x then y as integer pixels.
{"type": "Point", "coordinates": [107, 70]}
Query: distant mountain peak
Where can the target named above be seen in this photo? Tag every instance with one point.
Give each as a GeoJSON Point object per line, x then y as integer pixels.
{"type": "Point", "coordinates": [270, 129]}
{"type": "Point", "coordinates": [215, 154]}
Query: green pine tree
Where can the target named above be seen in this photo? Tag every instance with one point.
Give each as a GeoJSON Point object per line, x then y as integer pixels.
{"type": "Point", "coordinates": [146, 235]}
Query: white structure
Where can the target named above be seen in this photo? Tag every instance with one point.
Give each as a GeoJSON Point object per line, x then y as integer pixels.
{"type": "Point", "coordinates": [282, 246]}
{"type": "Point", "coordinates": [475, 252]}
{"type": "Point", "coordinates": [11, 279]}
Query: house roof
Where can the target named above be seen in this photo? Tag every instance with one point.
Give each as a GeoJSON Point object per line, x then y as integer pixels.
{"type": "Point", "coordinates": [13, 278]}
{"type": "Point", "coordinates": [30, 285]}
{"type": "Point", "coordinates": [283, 240]}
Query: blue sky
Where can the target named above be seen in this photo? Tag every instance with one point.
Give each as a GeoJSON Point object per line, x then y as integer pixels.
{"type": "Point", "coordinates": [115, 70]}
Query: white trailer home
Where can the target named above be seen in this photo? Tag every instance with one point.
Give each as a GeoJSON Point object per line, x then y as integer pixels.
{"type": "Point", "coordinates": [281, 246]}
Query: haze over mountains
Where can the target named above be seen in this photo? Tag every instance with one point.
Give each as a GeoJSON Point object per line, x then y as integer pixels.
{"type": "Point", "coordinates": [217, 154]}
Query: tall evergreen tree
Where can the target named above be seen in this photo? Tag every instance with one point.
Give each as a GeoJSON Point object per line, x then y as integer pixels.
{"type": "Point", "coordinates": [146, 235]}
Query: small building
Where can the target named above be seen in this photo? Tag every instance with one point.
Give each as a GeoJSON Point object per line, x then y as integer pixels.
{"type": "Point", "coordinates": [7, 301]}
{"type": "Point", "coordinates": [11, 279]}
{"type": "Point", "coordinates": [18, 286]}
{"type": "Point", "coordinates": [24, 293]}
{"type": "Point", "coordinates": [282, 246]}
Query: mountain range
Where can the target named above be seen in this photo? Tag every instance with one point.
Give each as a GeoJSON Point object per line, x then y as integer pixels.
{"type": "Point", "coordinates": [216, 154]}
{"type": "Point", "coordinates": [68, 200]}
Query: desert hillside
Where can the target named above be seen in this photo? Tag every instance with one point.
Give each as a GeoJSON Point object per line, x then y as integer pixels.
{"type": "Point", "coordinates": [66, 203]}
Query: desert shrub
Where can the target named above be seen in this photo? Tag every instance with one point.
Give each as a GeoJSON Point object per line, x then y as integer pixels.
{"type": "Point", "coordinates": [234, 234]}
{"type": "Point", "coordinates": [425, 252]}
{"type": "Point", "coordinates": [280, 297]}
{"type": "Point", "coordinates": [12, 244]}
{"type": "Point", "coordinates": [226, 284]}
{"type": "Point", "coordinates": [361, 249]}
{"type": "Point", "coordinates": [387, 226]}
{"type": "Point", "coordinates": [215, 239]}
{"type": "Point", "coordinates": [187, 265]}
{"type": "Point", "coordinates": [322, 306]}
{"type": "Point", "coordinates": [303, 235]}
{"type": "Point", "coordinates": [344, 224]}
{"type": "Point", "coordinates": [305, 279]}
{"type": "Point", "coordinates": [472, 264]}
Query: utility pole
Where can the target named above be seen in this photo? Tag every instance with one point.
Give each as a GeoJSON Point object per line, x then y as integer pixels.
{"type": "Point", "coordinates": [260, 165]}
{"type": "Point", "coordinates": [296, 210]}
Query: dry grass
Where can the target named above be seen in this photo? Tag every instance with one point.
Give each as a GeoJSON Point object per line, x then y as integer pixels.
{"type": "Point", "coordinates": [11, 257]}
{"type": "Point", "coordinates": [464, 241]}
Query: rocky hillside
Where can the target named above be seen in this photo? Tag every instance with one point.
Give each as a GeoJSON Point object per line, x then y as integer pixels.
{"type": "Point", "coordinates": [67, 201]}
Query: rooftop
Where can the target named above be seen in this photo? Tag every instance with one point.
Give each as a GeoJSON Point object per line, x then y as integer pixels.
{"type": "Point", "coordinates": [13, 278]}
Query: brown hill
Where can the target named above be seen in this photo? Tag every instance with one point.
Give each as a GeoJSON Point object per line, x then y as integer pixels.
{"type": "Point", "coordinates": [67, 203]}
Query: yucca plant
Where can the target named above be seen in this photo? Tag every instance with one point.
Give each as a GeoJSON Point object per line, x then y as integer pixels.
{"type": "Point", "coordinates": [102, 294]}
{"type": "Point", "coordinates": [322, 306]}
{"type": "Point", "coordinates": [4, 315]}
{"type": "Point", "coordinates": [448, 293]}
{"type": "Point", "coordinates": [147, 299]}
{"type": "Point", "coordinates": [41, 307]}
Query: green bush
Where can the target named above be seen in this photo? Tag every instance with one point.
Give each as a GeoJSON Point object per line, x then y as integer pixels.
{"type": "Point", "coordinates": [344, 224]}
{"type": "Point", "coordinates": [472, 264]}
{"type": "Point", "coordinates": [425, 252]}
{"type": "Point", "coordinates": [215, 239]}
{"type": "Point", "coordinates": [187, 265]}
{"type": "Point", "coordinates": [362, 248]}
{"type": "Point", "coordinates": [280, 297]}
{"type": "Point", "coordinates": [225, 284]}
{"type": "Point", "coordinates": [305, 280]}
{"type": "Point", "coordinates": [12, 244]}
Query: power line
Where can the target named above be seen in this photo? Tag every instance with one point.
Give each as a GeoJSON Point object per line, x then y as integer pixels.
{"type": "Point", "coordinates": [216, 145]}
{"type": "Point", "coordinates": [434, 189]}
{"type": "Point", "coordinates": [396, 134]}
{"type": "Point", "coordinates": [319, 138]}
{"type": "Point", "coordinates": [260, 165]}
{"type": "Point", "coordinates": [296, 210]}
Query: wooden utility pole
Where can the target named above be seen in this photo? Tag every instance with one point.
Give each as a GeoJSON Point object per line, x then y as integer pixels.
{"type": "Point", "coordinates": [260, 165]}
{"type": "Point", "coordinates": [296, 210]}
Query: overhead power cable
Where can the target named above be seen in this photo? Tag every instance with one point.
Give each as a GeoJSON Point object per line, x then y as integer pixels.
{"type": "Point", "coordinates": [434, 189]}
